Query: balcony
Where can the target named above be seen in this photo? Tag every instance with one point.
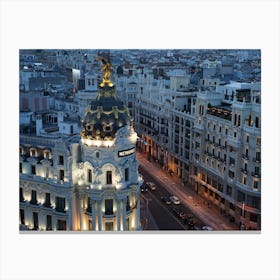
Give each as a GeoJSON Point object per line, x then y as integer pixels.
{"type": "Point", "coordinates": [256, 175]}
{"type": "Point", "coordinates": [244, 171]}
{"type": "Point", "coordinates": [60, 210]}
{"type": "Point", "coordinates": [245, 157]}
{"type": "Point", "coordinates": [47, 205]}
{"type": "Point", "coordinates": [34, 202]}
{"type": "Point", "coordinates": [257, 160]}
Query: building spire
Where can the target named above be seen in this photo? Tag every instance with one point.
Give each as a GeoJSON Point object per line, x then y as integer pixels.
{"type": "Point", "coordinates": [106, 68]}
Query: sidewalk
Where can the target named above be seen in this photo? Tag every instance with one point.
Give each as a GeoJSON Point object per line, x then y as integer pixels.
{"type": "Point", "coordinates": [210, 215]}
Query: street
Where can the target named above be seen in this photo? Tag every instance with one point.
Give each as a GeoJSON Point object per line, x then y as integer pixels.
{"type": "Point", "coordinates": [162, 216]}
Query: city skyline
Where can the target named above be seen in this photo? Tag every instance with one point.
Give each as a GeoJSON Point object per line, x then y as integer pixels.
{"type": "Point", "coordinates": [173, 97]}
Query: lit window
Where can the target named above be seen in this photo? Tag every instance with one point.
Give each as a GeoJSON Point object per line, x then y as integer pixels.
{"type": "Point", "coordinates": [89, 175]}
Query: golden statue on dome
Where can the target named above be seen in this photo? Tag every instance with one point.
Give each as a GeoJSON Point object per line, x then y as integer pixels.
{"type": "Point", "coordinates": [106, 68]}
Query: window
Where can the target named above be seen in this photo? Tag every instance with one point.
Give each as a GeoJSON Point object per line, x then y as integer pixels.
{"type": "Point", "coordinates": [32, 153]}
{"type": "Point", "coordinates": [247, 138]}
{"type": "Point", "coordinates": [61, 174]}
{"type": "Point", "coordinates": [49, 222]}
{"type": "Point", "coordinates": [226, 131]}
{"type": "Point", "coordinates": [238, 120]}
{"type": "Point", "coordinates": [109, 207]}
{"type": "Point", "coordinates": [33, 197]}
{"type": "Point", "coordinates": [127, 203]}
{"type": "Point", "coordinates": [220, 129]}
{"type": "Point", "coordinates": [231, 174]}
{"type": "Point", "coordinates": [89, 207]}
{"type": "Point", "coordinates": [35, 221]}
{"type": "Point", "coordinates": [234, 134]}
{"type": "Point", "coordinates": [22, 219]}
{"type": "Point", "coordinates": [127, 224]}
{"type": "Point", "coordinates": [234, 119]}
{"type": "Point", "coordinates": [47, 200]}
{"type": "Point", "coordinates": [229, 190]}
{"type": "Point", "coordinates": [232, 207]}
{"type": "Point", "coordinates": [61, 225]}
{"type": "Point", "coordinates": [256, 185]}
{"type": "Point", "coordinates": [258, 141]}
{"type": "Point", "coordinates": [257, 170]}
{"type": "Point", "coordinates": [89, 175]}
{"type": "Point", "coordinates": [89, 224]}
{"type": "Point", "coordinates": [244, 180]}
{"type": "Point", "coordinates": [231, 161]}
{"type": "Point", "coordinates": [20, 167]}
{"type": "Point", "coordinates": [60, 160]}
{"type": "Point", "coordinates": [257, 122]}
{"type": "Point", "coordinates": [21, 198]}
{"type": "Point", "coordinates": [109, 226]}
{"type": "Point", "coordinates": [109, 177]}
{"type": "Point", "coordinates": [258, 156]}
{"type": "Point", "coordinates": [240, 196]}
{"type": "Point", "coordinates": [60, 204]}
{"type": "Point", "coordinates": [47, 154]}
{"type": "Point", "coordinates": [33, 169]}
{"type": "Point", "coordinates": [126, 174]}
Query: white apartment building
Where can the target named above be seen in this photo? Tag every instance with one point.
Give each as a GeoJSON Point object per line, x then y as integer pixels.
{"type": "Point", "coordinates": [210, 139]}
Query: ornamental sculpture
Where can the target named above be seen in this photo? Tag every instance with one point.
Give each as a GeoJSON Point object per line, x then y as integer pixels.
{"type": "Point", "coordinates": [106, 68]}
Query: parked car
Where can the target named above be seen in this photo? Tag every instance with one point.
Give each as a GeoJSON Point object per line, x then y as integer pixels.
{"type": "Point", "coordinates": [166, 199]}
{"type": "Point", "coordinates": [177, 211]}
{"type": "Point", "coordinates": [206, 228]}
{"type": "Point", "coordinates": [151, 185]}
{"type": "Point", "coordinates": [175, 199]}
{"type": "Point", "coordinates": [144, 188]}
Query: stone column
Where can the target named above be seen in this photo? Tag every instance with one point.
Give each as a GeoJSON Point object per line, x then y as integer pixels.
{"type": "Point", "coordinates": [124, 213]}
{"type": "Point", "coordinates": [81, 212]}
{"type": "Point", "coordinates": [138, 214]}
{"type": "Point", "coordinates": [93, 222]}
{"type": "Point", "coordinates": [99, 216]}
{"type": "Point", "coordinates": [119, 214]}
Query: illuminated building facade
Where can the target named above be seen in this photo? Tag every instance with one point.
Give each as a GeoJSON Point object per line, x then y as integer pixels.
{"type": "Point", "coordinates": [86, 182]}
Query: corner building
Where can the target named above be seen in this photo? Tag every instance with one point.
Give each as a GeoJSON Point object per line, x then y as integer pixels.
{"type": "Point", "coordinates": [83, 183]}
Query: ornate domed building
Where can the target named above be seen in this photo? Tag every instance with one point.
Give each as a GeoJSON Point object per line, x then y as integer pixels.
{"type": "Point", "coordinates": [83, 183]}
{"type": "Point", "coordinates": [107, 172]}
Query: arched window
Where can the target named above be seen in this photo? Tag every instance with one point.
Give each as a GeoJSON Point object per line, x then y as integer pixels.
{"type": "Point", "coordinates": [238, 120]}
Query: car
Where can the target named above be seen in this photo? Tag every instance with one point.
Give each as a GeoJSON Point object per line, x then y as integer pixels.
{"type": "Point", "coordinates": [177, 211]}
{"type": "Point", "coordinates": [151, 185]}
{"type": "Point", "coordinates": [144, 188]}
{"type": "Point", "coordinates": [175, 199]}
{"type": "Point", "coordinates": [206, 228]}
{"type": "Point", "coordinates": [166, 199]}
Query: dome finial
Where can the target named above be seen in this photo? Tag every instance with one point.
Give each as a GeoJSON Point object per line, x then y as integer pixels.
{"type": "Point", "coordinates": [106, 68]}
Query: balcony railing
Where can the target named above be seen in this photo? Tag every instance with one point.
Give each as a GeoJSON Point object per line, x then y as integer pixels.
{"type": "Point", "coordinates": [244, 171]}
{"type": "Point", "coordinates": [60, 210]}
{"type": "Point", "coordinates": [257, 175]}
{"type": "Point", "coordinates": [34, 202]}
{"type": "Point", "coordinates": [245, 156]}
{"type": "Point", "coordinates": [257, 160]}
